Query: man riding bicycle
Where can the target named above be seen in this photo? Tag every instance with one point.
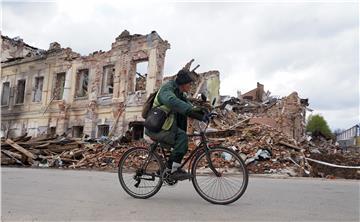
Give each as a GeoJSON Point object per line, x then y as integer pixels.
{"type": "Point", "coordinates": [171, 98]}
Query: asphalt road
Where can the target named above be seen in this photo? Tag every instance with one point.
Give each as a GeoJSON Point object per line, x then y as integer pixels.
{"type": "Point", "coordinates": [64, 195]}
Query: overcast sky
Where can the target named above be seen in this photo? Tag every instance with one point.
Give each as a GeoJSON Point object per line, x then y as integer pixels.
{"type": "Point", "coordinates": [311, 48]}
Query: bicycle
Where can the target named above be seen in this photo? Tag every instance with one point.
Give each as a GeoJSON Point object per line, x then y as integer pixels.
{"type": "Point", "coordinates": [219, 174]}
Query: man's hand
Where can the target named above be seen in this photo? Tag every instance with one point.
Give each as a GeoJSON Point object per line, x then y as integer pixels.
{"type": "Point", "coordinates": [206, 118]}
{"type": "Point", "coordinates": [199, 113]}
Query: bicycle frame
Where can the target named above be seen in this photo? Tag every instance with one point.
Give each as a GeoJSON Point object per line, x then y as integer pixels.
{"type": "Point", "coordinates": [201, 147]}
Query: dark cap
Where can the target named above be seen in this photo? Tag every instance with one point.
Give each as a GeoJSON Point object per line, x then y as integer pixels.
{"type": "Point", "coordinates": [183, 77]}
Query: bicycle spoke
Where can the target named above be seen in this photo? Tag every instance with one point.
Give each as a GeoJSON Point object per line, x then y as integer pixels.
{"type": "Point", "coordinates": [231, 182]}
{"type": "Point", "coordinates": [207, 180]}
{"type": "Point", "coordinates": [227, 194]}
{"type": "Point", "coordinates": [221, 188]}
{"type": "Point", "coordinates": [210, 185]}
{"type": "Point", "coordinates": [231, 186]}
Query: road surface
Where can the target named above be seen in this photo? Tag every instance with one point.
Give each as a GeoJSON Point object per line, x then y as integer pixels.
{"type": "Point", "coordinates": [67, 195]}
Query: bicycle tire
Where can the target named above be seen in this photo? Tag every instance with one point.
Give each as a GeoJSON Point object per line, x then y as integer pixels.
{"type": "Point", "coordinates": [241, 166]}
{"type": "Point", "coordinates": [127, 189]}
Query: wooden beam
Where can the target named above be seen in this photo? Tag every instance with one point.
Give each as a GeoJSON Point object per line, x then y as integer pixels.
{"type": "Point", "coordinates": [199, 87]}
{"type": "Point", "coordinates": [291, 146]}
{"type": "Point", "coordinates": [20, 149]}
{"type": "Point", "coordinates": [238, 123]}
{"type": "Point", "coordinates": [13, 156]}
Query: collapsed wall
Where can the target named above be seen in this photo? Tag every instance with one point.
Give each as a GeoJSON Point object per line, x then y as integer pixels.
{"type": "Point", "coordinates": [16, 48]}
{"type": "Point", "coordinates": [287, 114]}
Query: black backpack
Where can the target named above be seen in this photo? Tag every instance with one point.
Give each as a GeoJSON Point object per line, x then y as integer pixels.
{"type": "Point", "coordinates": [148, 104]}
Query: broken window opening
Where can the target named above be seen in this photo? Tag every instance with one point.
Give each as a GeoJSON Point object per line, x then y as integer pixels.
{"type": "Point", "coordinates": [5, 96]}
{"type": "Point", "coordinates": [77, 131]}
{"type": "Point", "coordinates": [39, 81]}
{"type": "Point", "coordinates": [52, 131]}
{"type": "Point", "coordinates": [141, 75]}
{"type": "Point", "coordinates": [107, 84]}
{"type": "Point", "coordinates": [20, 91]}
{"type": "Point", "coordinates": [103, 130]}
{"type": "Point", "coordinates": [137, 130]}
{"type": "Point", "coordinates": [82, 80]}
{"type": "Point", "coordinates": [59, 86]}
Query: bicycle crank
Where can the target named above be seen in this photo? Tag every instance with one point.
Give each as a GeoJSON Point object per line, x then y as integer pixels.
{"type": "Point", "coordinates": [166, 178]}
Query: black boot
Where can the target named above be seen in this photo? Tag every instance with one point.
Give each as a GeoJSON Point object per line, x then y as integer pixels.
{"type": "Point", "coordinates": [180, 174]}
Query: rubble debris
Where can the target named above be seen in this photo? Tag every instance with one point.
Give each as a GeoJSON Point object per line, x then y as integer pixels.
{"type": "Point", "coordinates": [265, 147]}
{"type": "Point", "coordinates": [265, 150]}
{"type": "Point", "coordinates": [290, 145]}
{"type": "Point", "coordinates": [16, 49]}
{"type": "Point", "coordinates": [63, 152]}
{"type": "Point", "coordinates": [20, 149]}
{"type": "Point", "coordinates": [343, 159]}
{"type": "Point", "coordinates": [286, 114]}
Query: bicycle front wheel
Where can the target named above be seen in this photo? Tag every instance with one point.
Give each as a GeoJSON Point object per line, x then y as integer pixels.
{"type": "Point", "coordinates": [231, 182]}
{"type": "Point", "coordinates": [140, 172]}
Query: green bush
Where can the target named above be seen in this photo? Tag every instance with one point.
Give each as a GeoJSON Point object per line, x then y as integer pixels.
{"type": "Point", "coordinates": [317, 126]}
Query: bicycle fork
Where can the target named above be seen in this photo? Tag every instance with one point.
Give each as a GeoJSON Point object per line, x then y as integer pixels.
{"type": "Point", "coordinates": [211, 166]}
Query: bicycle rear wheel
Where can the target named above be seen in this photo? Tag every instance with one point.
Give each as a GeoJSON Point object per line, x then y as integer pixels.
{"type": "Point", "coordinates": [225, 188]}
{"type": "Point", "coordinates": [140, 172]}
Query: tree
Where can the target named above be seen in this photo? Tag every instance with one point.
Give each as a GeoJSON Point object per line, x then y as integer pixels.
{"type": "Point", "coordinates": [338, 131]}
{"type": "Point", "coordinates": [317, 126]}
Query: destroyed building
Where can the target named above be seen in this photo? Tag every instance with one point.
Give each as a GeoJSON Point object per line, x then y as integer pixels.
{"type": "Point", "coordinates": [287, 114]}
{"type": "Point", "coordinates": [58, 91]}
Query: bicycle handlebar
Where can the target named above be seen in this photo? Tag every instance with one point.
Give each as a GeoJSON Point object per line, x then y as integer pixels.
{"type": "Point", "coordinates": [210, 115]}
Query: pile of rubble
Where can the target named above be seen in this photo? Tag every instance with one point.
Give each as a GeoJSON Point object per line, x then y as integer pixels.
{"type": "Point", "coordinates": [62, 152]}
{"type": "Point", "coordinates": [264, 149]}
{"type": "Point", "coordinates": [268, 147]}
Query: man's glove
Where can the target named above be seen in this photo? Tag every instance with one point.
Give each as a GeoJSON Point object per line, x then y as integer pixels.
{"type": "Point", "coordinates": [199, 114]}
{"type": "Point", "coordinates": [206, 118]}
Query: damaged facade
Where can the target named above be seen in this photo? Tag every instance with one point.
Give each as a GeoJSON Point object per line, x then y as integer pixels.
{"type": "Point", "coordinates": [58, 91]}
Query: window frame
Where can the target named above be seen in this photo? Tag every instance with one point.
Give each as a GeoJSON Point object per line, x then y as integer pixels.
{"type": "Point", "coordinates": [78, 86]}
{"type": "Point", "coordinates": [17, 92]}
{"type": "Point", "coordinates": [2, 94]}
{"type": "Point", "coordinates": [34, 90]}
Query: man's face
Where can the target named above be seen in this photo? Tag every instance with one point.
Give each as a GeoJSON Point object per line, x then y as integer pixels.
{"type": "Point", "coordinates": [185, 87]}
